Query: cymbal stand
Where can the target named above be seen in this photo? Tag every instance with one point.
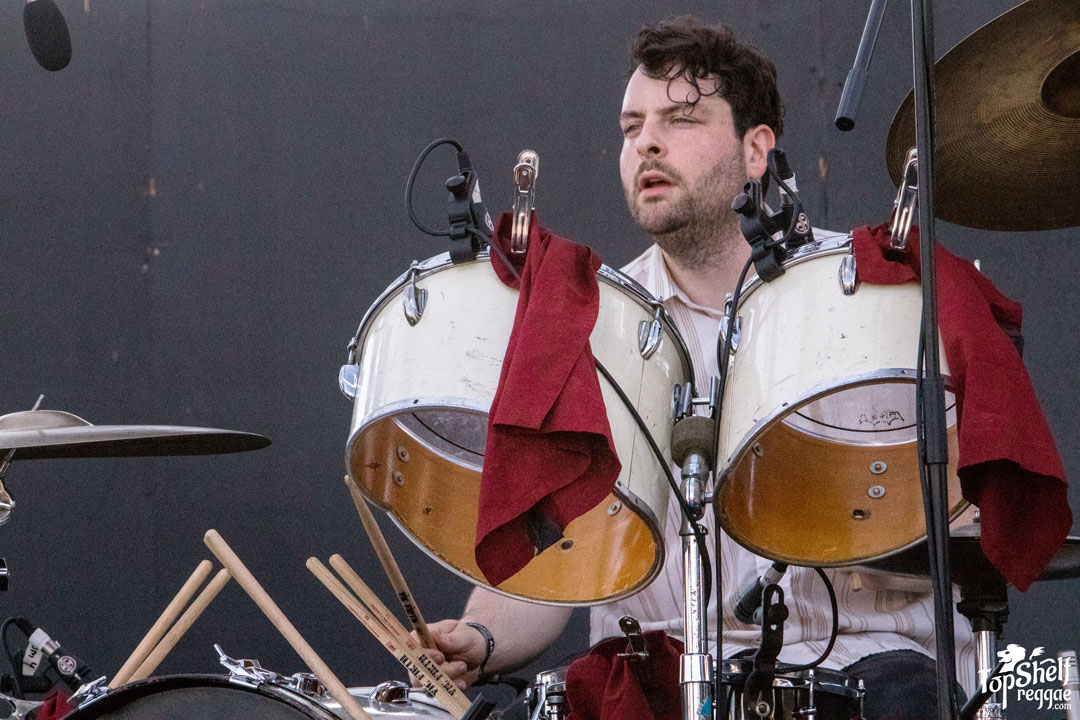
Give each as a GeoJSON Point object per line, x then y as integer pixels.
{"type": "Point", "coordinates": [930, 385]}
{"type": "Point", "coordinates": [693, 449]}
{"type": "Point", "coordinates": [986, 606]}
{"type": "Point", "coordinates": [7, 503]}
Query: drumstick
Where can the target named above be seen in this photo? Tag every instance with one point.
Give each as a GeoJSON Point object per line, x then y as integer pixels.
{"type": "Point", "coordinates": [374, 604]}
{"type": "Point", "coordinates": [397, 580]}
{"type": "Point", "coordinates": [255, 591]}
{"type": "Point", "coordinates": [123, 675]}
{"type": "Point", "coordinates": [186, 621]}
{"type": "Point", "coordinates": [419, 666]}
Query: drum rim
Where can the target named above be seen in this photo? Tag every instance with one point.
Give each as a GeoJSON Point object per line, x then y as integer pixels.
{"type": "Point", "coordinates": [620, 490]}
{"type": "Point", "coordinates": [887, 375]}
{"type": "Point", "coordinates": [143, 688]}
{"type": "Point", "coordinates": [836, 682]}
{"type": "Point", "coordinates": [832, 243]}
{"type": "Point", "coordinates": [611, 276]}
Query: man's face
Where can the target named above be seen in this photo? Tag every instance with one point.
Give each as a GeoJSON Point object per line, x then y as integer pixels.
{"type": "Point", "coordinates": [681, 165]}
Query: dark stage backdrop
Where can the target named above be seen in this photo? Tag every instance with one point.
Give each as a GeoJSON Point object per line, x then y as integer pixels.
{"type": "Point", "coordinates": [197, 211]}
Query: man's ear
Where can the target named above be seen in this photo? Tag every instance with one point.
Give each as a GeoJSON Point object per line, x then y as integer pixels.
{"type": "Point", "coordinates": [756, 145]}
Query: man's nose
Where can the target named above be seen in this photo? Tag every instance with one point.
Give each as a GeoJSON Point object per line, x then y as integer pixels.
{"type": "Point", "coordinates": [649, 142]}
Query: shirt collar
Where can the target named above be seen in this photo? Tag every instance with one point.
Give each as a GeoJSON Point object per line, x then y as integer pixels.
{"type": "Point", "coordinates": [667, 289]}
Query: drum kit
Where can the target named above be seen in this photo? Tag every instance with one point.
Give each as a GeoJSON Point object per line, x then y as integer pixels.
{"type": "Point", "coordinates": [814, 454]}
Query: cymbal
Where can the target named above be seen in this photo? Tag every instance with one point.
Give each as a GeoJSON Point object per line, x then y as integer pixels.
{"type": "Point", "coordinates": [1008, 122]}
{"type": "Point", "coordinates": [968, 564]}
{"type": "Point", "coordinates": [40, 434]}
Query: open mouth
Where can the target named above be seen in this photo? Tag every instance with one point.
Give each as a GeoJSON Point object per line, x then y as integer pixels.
{"type": "Point", "coordinates": [648, 182]}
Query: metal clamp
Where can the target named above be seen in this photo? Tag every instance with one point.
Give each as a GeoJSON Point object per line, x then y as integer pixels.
{"type": "Point", "coordinates": [650, 333]}
{"type": "Point", "coordinates": [525, 172]}
{"type": "Point", "coordinates": [636, 649]}
{"type": "Point", "coordinates": [724, 325]}
{"type": "Point", "coordinates": [907, 198]}
{"type": "Point", "coordinates": [248, 672]}
{"type": "Point", "coordinates": [415, 298]}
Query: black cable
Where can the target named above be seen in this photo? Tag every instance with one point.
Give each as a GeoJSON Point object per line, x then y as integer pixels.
{"type": "Point", "coordinates": [494, 247]}
{"type": "Point", "coordinates": [412, 179]}
{"type": "Point", "coordinates": [15, 672]}
{"type": "Point", "coordinates": [694, 526]}
{"type": "Point", "coordinates": [784, 667]}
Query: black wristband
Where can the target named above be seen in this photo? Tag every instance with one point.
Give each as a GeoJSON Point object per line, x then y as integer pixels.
{"type": "Point", "coordinates": [489, 639]}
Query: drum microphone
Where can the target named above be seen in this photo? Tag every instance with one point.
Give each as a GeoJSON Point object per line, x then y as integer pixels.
{"type": "Point", "coordinates": [72, 671]}
{"type": "Point", "coordinates": [47, 34]}
{"type": "Point", "coordinates": [790, 203]}
{"type": "Point", "coordinates": [748, 607]}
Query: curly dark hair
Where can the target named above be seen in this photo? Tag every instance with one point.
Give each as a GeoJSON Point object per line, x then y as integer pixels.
{"type": "Point", "coordinates": [687, 48]}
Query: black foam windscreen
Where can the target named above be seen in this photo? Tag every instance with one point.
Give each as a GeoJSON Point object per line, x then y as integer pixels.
{"type": "Point", "coordinates": [47, 34]}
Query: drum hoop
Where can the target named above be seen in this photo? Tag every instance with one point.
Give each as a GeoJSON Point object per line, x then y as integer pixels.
{"type": "Point", "coordinates": [836, 682]}
{"type": "Point", "coordinates": [144, 688]}
{"type": "Point", "coordinates": [620, 490]}
{"type": "Point", "coordinates": [886, 375]}
{"type": "Point", "coordinates": [830, 243]}
{"type": "Point", "coordinates": [608, 274]}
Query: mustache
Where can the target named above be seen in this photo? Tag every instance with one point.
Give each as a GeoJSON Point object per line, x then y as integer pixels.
{"type": "Point", "coordinates": [657, 165]}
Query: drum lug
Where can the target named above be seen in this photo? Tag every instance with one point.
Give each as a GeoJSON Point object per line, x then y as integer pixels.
{"type": "Point", "coordinates": [392, 691]}
{"type": "Point", "coordinates": [246, 672]}
{"type": "Point", "coordinates": [415, 298]}
{"type": "Point", "coordinates": [87, 693]}
{"type": "Point", "coordinates": [348, 377]}
{"type": "Point", "coordinates": [650, 333]}
{"type": "Point", "coordinates": [849, 277]}
{"type": "Point", "coordinates": [736, 336]}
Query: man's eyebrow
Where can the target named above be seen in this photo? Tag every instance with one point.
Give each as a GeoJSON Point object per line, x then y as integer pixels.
{"type": "Point", "coordinates": [681, 108]}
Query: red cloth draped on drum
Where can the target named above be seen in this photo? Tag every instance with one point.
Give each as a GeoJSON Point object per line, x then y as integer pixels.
{"type": "Point", "coordinates": [56, 706]}
{"type": "Point", "coordinates": [549, 456]}
{"type": "Point", "coordinates": [604, 686]}
{"type": "Point", "coordinates": [1008, 466]}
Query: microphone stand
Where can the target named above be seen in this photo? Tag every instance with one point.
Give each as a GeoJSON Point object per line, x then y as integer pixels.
{"type": "Point", "coordinates": [930, 398]}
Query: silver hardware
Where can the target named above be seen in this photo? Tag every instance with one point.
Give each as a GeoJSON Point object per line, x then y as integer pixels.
{"type": "Point", "coordinates": [348, 377]}
{"type": "Point", "coordinates": [737, 334]}
{"type": "Point", "coordinates": [762, 708]}
{"type": "Point", "coordinates": [1070, 683]}
{"type": "Point", "coordinates": [650, 333]}
{"type": "Point", "coordinates": [876, 491]}
{"type": "Point", "coordinates": [415, 298]}
{"type": "Point", "coordinates": [392, 691]}
{"type": "Point", "coordinates": [89, 692]}
{"type": "Point", "coordinates": [247, 672]}
{"type": "Point", "coordinates": [636, 641]}
{"type": "Point", "coordinates": [878, 467]}
{"type": "Point", "coordinates": [757, 449]}
{"type": "Point", "coordinates": [525, 172]}
{"type": "Point", "coordinates": [977, 264]}
{"type": "Point", "coordinates": [399, 479]}
{"type": "Point", "coordinates": [907, 199]}
{"type": "Point", "coordinates": [306, 684]}
{"type": "Point", "coordinates": [848, 275]}
{"type": "Point", "coordinates": [861, 688]}
{"type": "Point", "coordinates": [403, 453]}
{"type": "Point", "coordinates": [16, 708]}
{"type": "Point", "coordinates": [677, 401]}
{"type": "Point", "coordinates": [614, 507]}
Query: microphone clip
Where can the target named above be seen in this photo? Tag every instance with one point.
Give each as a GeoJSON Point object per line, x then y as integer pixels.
{"type": "Point", "coordinates": [470, 224]}
{"type": "Point", "coordinates": [759, 683]}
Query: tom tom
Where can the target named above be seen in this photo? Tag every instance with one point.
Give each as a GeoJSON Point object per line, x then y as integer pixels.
{"type": "Point", "coordinates": [428, 355]}
{"type": "Point", "coordinates": [817, 694]}
{"type": "Point", "coordinates": [817, 436]}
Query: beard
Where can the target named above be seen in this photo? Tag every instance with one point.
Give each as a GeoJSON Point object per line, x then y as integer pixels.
{"type": "Point", "coordinates": [699, 229]}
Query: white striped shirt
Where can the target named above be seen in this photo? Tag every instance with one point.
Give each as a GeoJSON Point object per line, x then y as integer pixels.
{"type": "Point", "coordinates": [873, 618]}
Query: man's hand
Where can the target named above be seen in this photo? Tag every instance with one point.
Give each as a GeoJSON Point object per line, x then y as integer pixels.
{"type": "Point", "coordinates": [459, 652]}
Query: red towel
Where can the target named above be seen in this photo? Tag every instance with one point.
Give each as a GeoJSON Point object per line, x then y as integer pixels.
{"type": "Point", "coordinates": [1008, 466]}
{"type": "Point", "coordinates": [56, 706]}
{"type": "Point", "coordinates": [603, 686]}
{"type": "Point", "coordinates": [549, 456]}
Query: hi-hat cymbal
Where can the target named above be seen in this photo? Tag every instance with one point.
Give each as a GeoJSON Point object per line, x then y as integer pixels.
{"type": "Point", "coordinates": [39, 434]}
{"type": "Point", "coordinates": [1008, 122]}
{"type": "Point", "coordinates": [968, 563]}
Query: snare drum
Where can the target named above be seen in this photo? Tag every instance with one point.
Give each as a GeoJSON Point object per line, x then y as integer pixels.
{"type": "Point", "coordinates": [187, 697]}
{"type": "Point", "coordinates": [817, 437]}
{"type": "Point", "coordinates": [819, 693]}
{"type": "Point", "coordinates": [429, 353]}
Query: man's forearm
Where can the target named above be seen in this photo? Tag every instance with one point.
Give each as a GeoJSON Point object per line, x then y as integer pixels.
{"type": "Point", "coordinates": [521, 630]}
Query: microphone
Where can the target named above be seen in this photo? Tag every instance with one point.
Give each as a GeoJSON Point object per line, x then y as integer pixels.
{"type": "Point", "coordinates": [73, 672]}
{"type": "Point", "coordinates": [748, 608]}
{"type": "Point", "coordinates": [790, 204]}
{"type": "Point", "coordinates": [47, 34]}
{"type": "Point", "coordinates": [480, 216]}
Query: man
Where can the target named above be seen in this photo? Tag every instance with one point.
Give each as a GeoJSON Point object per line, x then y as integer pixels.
{"type": "Point", "coordinates": [699, 115]}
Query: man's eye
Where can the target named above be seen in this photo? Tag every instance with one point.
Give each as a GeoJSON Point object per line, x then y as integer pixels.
{"type": "Point", "coordinates": [683, 119]}
{"type": "Point", "coordinates": [631, 128]}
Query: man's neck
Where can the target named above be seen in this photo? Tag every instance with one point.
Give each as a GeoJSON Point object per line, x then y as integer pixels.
{"type": "Point", "coordinates": [709, 284]}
